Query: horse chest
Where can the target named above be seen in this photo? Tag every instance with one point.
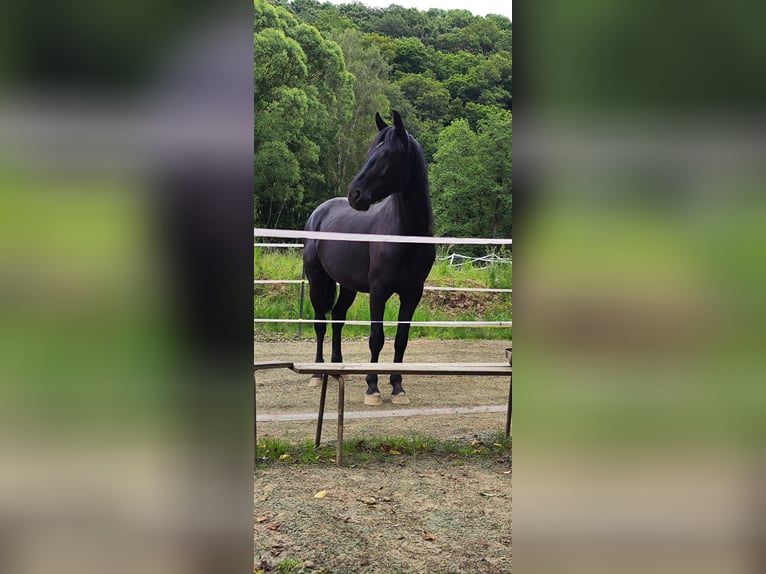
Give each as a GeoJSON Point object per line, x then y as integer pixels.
{"type": "Point", "coordinates": [406, 263]}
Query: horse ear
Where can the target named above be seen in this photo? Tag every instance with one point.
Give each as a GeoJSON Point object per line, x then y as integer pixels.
{"type": "Point", "coordinates": [379, 122]}
{"type": "Point", "coordinates": [398, 123]}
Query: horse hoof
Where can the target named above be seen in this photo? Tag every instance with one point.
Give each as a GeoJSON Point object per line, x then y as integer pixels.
{"type": "Point", "coordinates": [315, 382]}
{"type": "Point", "coordinates": [373, 400]}
{"type": "Point", "coordinates": [400, 399]}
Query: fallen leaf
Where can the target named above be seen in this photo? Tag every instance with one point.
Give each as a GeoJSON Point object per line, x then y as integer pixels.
{"type": "Point", "coordinates": [488, 494]}
{"type": "Point", "coordinates": [261, 519]}
{"type": "Point", "coordinates": [497, 444]}
{"type": "Point", "coordinates": [427, 536]}
{"type": "Point", "coordinates": [507, 472]}
{"type": "Point", "coordinates": [272, 526]}
{"type": "Point", "coordinates": [477, 451]}
{"type": "Point", "coordinates": [276, 549]}
{"type": "Point", "coordinates": [394, 452]}
{"type": "Point", "coordinates": [371, 506]}
{"type": "Point", "coordinates": [474, 442]}
{"type": "Point", "coordinates": [321, 494]}
{"type": "Point", "coordinates": [284, 457]}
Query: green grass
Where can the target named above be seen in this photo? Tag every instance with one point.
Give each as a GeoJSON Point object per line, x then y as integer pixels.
{"type": "Point", "coordinates": [362, 450]}
{"type": "Point", "coordinates": [283, 301]}
{"type": "Point", "coordinates": [288, 566]}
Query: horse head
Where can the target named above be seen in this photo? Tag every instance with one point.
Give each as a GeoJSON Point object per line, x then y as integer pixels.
{"type": "Point", "coordinates": [387, 168]}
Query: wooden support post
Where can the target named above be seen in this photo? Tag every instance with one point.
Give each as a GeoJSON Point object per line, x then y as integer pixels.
{"type": "Point", "coordinates": [255, 420]}
{"type": "Point", "coordinates": [341, 403]}
{"type": "Point", "coordinates": [508, 417]}
{"type": "Point", "coordinates": [320, 417]}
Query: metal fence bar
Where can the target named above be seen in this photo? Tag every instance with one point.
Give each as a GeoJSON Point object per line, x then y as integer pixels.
{"type": "Point", "coordinates": [474, 289]}
{"type": "Point", "coordinates": [277, 244]}
{"type": "Point", "coordinates": [393, 323]}
{"type": "Point", "coordinates": [426, 288]}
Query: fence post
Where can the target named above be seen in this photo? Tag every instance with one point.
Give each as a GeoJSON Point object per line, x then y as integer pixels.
{"type": "Point", "coordinates": [303, 293]}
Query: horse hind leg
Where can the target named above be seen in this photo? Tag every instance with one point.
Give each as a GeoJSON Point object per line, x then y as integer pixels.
{"type": "Point", "coordinates": [322, 294]}
{"type": "Point", "coordinates": [408, 302]}
{"type": "Point", "coordinates": [345, 299]}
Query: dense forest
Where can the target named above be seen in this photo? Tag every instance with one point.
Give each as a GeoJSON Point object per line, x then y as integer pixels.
{"type": "Point", "coordinates": [321, 71]}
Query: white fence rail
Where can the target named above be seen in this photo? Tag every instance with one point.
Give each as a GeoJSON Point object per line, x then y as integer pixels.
{"type": "Point", "coordinates": [332, 236]}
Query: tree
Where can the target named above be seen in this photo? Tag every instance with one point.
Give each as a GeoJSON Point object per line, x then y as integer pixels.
{"type": "Point", "coordinates": [411, 56]}
{"type": "Point", "coordinates": [495, 147]}
{"type": "Point", "coordinates": [427, 95]}
{"type": "Point", "coordinates": [454, 178]}
{"type": "Point", "coordinates": [370, 71]}
{"type": "Point", "coordinates": [302, 94]}
{"type": "Point", "coordinates": [471, 178]}
{"type": "Point", "coordinates": [322, 71]}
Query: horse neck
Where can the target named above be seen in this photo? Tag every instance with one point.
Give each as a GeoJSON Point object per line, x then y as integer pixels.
{"type": "Point", "coordinates": [413, 204]}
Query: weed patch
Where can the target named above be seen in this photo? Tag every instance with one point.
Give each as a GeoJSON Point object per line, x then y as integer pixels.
{"type": "Point", "coordinates": [362, 450]}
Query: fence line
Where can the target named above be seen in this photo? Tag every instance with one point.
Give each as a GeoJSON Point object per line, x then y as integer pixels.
{"type": "Point", "coordinates": [332, 236]}
{"type": "Point", "coordinates": [426, 288]}
{"type": "Point", "coordinates": [278, 245]}
{"type": "Point", "coordinates": [363, 237]}
{"type": "Point", "coordinates": [474, 289]}
{"type": "Point", "coordinates": [393, 323]}
{"type": "Point", "coordinates": [492, 258]}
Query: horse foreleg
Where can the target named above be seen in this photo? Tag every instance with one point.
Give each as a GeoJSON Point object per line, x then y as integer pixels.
{"type": "Point", "coordinates": [408, 303]}
{"type": "Point", "coordinates": [378, 300]}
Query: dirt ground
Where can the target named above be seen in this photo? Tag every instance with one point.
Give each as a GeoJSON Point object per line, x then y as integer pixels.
{"type": "Point", "coordinates": [424, 515]}
{"type": "Point", "coordinates": [430, 514]}
{"type": "Point", "coordinates": [282, 391]}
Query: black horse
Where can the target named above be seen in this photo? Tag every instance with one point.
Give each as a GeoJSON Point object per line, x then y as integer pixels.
{"type": "Point", "coordinates": [388, 196]}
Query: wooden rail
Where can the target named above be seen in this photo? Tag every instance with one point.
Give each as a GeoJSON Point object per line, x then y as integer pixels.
{"type": "Point", "coordinates": [337, 370]}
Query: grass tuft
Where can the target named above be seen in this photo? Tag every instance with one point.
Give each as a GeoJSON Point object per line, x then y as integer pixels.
{"type": "Point", "coordinates": [363, 450]}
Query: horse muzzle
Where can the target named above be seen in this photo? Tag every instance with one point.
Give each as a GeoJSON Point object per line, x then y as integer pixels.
{"type": "Point", "coordinates": [357, 200]}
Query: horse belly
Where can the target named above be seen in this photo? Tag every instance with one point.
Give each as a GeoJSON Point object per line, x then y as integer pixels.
{"type": "Point", "coordinates": [347, 263]}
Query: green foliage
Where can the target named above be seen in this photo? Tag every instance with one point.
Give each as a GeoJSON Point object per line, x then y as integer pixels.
{"type": "Point", "coordinates": [302, 92]}
{"type": "Point", "coordinates": [471, 178]}
{"type": "Point", "coordinates": [410, 56]}
{"type": "Point", "coordinates": [370, 73]}
{"type": "Point", "coordinates": [323, 70]}
{"type": "Point", "coordinates": [289, 566]}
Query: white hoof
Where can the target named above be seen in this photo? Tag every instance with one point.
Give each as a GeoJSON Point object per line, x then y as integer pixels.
{"type": "Point", "coordinates": [400, 399]}
{"type": "Point", "coordinates": [315, 382]}
{"type": "Point", "coordinates": [373, 400]}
